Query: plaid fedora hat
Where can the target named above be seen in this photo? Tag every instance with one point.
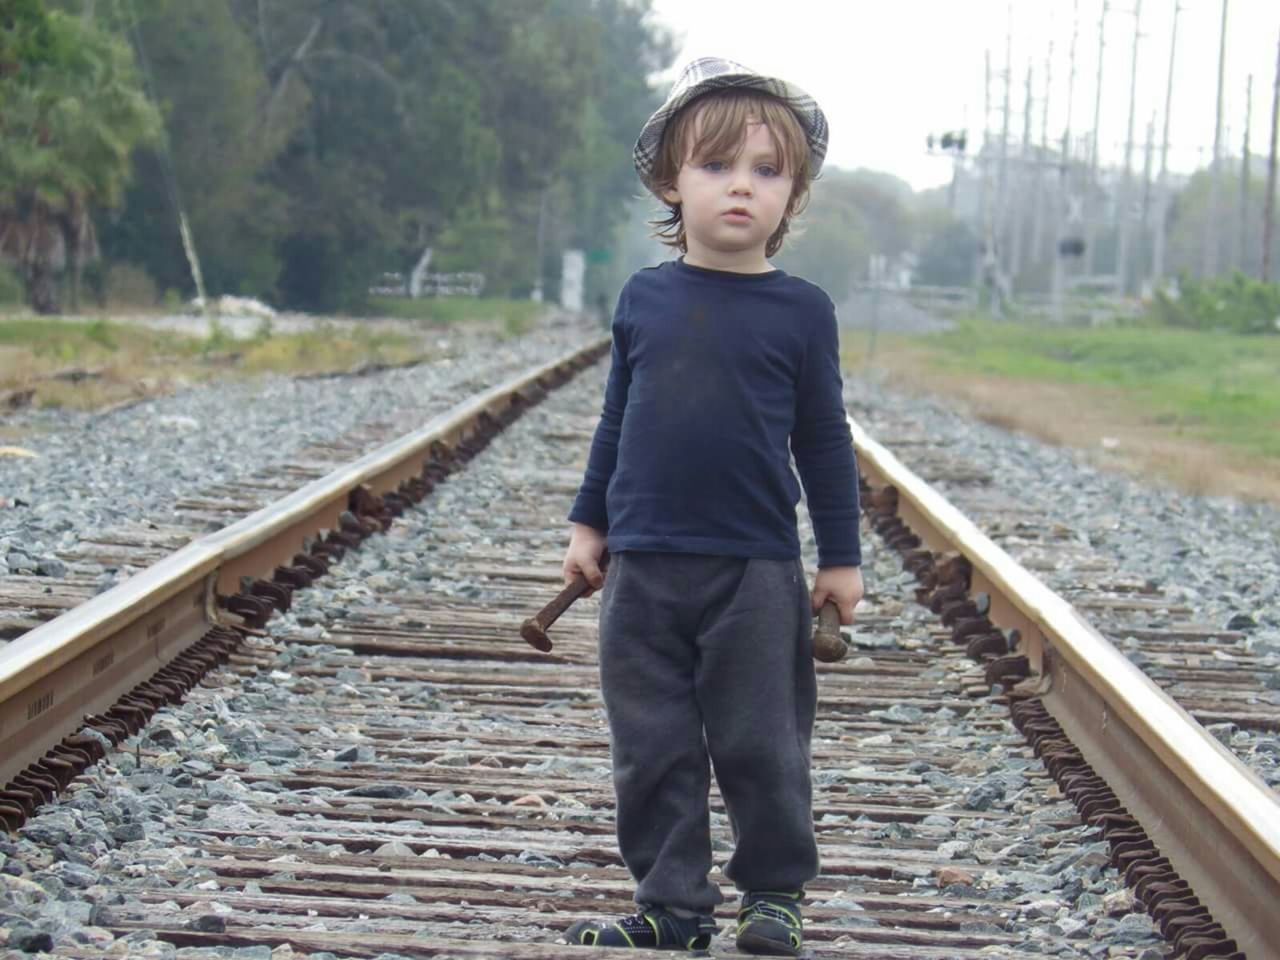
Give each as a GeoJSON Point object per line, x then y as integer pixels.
{"type": "Point", "coordinates": [712, 73]}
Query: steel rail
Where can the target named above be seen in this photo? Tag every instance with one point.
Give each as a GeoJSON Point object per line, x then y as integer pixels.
{"type": "Point", "coordinates": [1215, 820]}
{"type": "Point", "coordinates": [84, 660]}
{"type": "Point", "coordinates": [1217, 823]}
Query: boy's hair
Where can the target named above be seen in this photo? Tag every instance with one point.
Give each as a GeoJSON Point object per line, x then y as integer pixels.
{"type": "Point", "coordinates": [724, 116]}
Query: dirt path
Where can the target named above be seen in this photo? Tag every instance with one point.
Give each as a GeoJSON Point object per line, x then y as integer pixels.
{"type": "Point", "coordinates": [1098, 421]}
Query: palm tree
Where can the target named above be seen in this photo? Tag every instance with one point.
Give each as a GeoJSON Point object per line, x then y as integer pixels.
{"type": "Point", "coordinates": [73, 111]}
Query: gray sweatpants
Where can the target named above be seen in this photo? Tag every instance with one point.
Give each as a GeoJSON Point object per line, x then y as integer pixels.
{"type": "Point", "coordinates": [707, 661]}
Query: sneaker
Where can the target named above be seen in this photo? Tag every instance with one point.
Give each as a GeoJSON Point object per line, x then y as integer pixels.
{"type": "Point", "coordinates": [653, 927]}
{"type": "Point", "coordinates": [769, 923]}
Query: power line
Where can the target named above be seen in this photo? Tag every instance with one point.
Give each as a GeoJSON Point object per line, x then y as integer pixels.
{"type": "Point", "coordinates": [1062, 217]}
{"type": "Point", "coordinates": [1240, 243]}
{"type": "Point", "coordinates": [1016, 222]}
{"type": "Point", "coordinates": [1146, 186]}
{"type": "Point", "coordinates": [1123, 202]}
{"type": "Point", "coordinates": [1210, 261]}
{"type": "Point", "coordinates": [1037, 227]}
{"type": "Point", "coordinates": [1091, 200]}
{"type": "Point", "coordinates": [1002, 179]}
{"type": "Point", "coordinates": [1162, 215]}
{"type": "Point", "coordinates": [1269, 207]}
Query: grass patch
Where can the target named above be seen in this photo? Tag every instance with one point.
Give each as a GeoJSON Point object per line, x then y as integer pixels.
{"type": "Point", "coordinates": [1216, 387]}
{"type": "Point", "coordinates": [327, 349]}
{"type": "Point", "coordinates": [513, 316]}
{"type": "Point", "coordinates": [118, 361]}
{"type": "Point", "coordinates": [54, 344]}
{"type": "Point", "coordinates": [1200, 409]}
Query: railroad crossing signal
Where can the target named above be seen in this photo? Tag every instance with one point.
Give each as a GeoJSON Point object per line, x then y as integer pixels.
{"type": "Point", "coordinates": [1071, 247]}
{"type": "Point", "coordinates": [952, 140]}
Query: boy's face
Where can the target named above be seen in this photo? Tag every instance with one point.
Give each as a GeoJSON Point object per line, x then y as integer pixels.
{"type": "Point", "coordinates": [732, 205]}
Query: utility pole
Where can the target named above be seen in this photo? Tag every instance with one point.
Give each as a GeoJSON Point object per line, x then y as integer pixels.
{"type": "Point", "coordinates": [1037, 226]}
{"type": "Point", "coordinates": [1144, 226]}
{"type": "Point", "coordinates": [541, 237]}
{"type": "Point", "coordinates": [1091, 188]}
{"type": "Point", "coordinates": [1002, 182]}
{"type": "Point", "coordinates": [1162, 190]}
{"type": "Point", "coordinates": [1061, 215]}
{"type": "Point", "coordinates": [1017, 221]}
{"type": "Point", "coordinates": [958, 167]}
{"type": "Point", "coordinates": [1210, 258]}
{"type": "Point", "coordinates": [1071, 77]}
{"type": "Point", "coordinates": [1269, 207]}
{"type": "Point", "coordinates": [1123, 217]}
{"type": "Point", "coordinates": [1240, 246]}
{"type": "Point", "coordinates": [984, 200]}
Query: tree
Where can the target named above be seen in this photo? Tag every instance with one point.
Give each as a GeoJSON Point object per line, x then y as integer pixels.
{"type": "Point", "coordinates": [74, 111]}
{"type": "Point", "coordinates": [1187, 220]}
{"type": "Point", "coordinates": [208, 81]}
{"type": "Point", "coordinates": [947, 256]}
{"type": "Point", "coordinates": [852, 215]}
{"type": "Point", "coordinates": [315, 144]}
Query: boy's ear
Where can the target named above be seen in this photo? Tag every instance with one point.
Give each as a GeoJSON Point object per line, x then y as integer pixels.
{"type": "Point", "coordinates": [671, 194]}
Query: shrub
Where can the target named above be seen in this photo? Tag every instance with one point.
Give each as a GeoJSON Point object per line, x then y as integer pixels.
{"type": "Point", "coordinates": [100, 333]}
{"type": "Point", "coordinates": [1237, 304]}
{"type": "Point", "coordinates": [12, 292]}
{"type": "Point", "coordinates": [128, 285]}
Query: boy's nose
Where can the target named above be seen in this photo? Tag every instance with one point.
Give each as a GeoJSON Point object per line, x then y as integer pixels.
{"type": "Point", "coordinates": [741, 182]}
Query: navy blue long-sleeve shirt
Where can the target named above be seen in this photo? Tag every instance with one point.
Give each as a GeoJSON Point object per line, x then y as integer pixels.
{"type": "Point", "coordinates": [717, 378]}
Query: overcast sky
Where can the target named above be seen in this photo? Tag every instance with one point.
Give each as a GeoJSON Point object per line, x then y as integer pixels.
{"type": "Point", "coordinates": [889, 73]}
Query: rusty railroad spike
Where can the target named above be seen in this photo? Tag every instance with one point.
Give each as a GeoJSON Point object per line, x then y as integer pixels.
{"type": "Point", "coordinates": [828, 645]}
{"type": "Point", "coordinates": [534, 630]}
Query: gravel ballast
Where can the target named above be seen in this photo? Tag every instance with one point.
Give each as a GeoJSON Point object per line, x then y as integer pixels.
{"type": "Point", "coordinates": [1217, 557]}
{"type": "Point", "coordinates": [120, 834]}
{"type": "Point", "coordinates": [107, 840]}
{"type": "Point", "coordinates": [92, 471]}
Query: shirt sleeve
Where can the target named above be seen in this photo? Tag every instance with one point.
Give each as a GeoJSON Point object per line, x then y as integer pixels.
{"type": "Point", "coordinates": [589, 506]}
{"type": "Point", "coordinates": [823, 447]}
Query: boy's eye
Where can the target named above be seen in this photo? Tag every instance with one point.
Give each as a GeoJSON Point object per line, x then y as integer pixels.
{"type": "Point", "coordinates": [714, 166]}
{"type": "Point", "coordinates": [767, 170]}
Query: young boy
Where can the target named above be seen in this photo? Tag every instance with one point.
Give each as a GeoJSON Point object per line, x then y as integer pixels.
{"type": "Point", "coordinates": [722, 368]}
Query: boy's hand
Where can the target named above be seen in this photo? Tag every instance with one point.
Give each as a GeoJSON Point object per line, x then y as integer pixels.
{"type": "Point", "coordinates": [842, 586]}
{"type": "Point", "coordinates": [586, 546]}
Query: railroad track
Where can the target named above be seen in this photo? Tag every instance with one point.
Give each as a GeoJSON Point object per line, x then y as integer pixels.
{"type": "Point", "coordinates": [118, 549]}
{"type": "Point", "coordinates": [385, 768]}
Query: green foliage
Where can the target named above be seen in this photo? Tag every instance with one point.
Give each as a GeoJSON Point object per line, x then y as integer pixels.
{"type": "Point", "coordinates": [327, 348]}
{"type": "Point", "coordinates": [316, 144]}
{"type": "Point", "coordinates": [614, 102]}
{"type": "Point", "coordinates": [11, 290]}
{"type": "Point", "coordinates": [264, 330]}
{"type": "Point", "coordinates": [1236, 304]}
{"type": "Point", "coordinates": [73, 112]}
{"type": "Point", "coordinates": [489, 244]}
{"type": "Point", "coordinates": [1237, 249]}
{"type": "Point", "coordinates": [127, 285]}
{"type": "Point", "coordinates": [206, 74]}
{"type": "Point", "coordinates": [219, 339]}
{"type": "Point", "coordinates": [99, 331]}
{"type": "Point", "coordinates": [851, 215]}
{"type": "Point", "coordinates": [446, 125]}
{"type": "Point", "coordinates": [947, 256]}
{"type": "Point", "coordinates": [1223, 388]}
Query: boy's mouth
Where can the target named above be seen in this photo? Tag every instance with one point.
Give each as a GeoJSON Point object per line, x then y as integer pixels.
{"type": "Point", "coordinates": [737, 213]}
